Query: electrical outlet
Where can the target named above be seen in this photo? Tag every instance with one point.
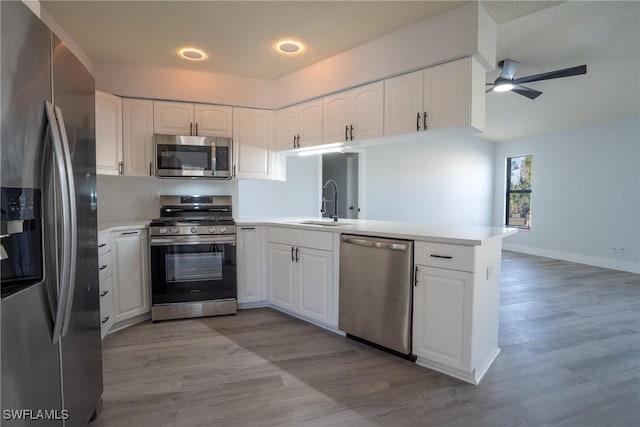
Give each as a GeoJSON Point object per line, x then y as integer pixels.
{"type": "Point", "coordinates": [489, 274]}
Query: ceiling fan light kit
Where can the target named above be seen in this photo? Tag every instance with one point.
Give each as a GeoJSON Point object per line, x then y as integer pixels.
{"type": "Point", "coordinates": [507, 83]}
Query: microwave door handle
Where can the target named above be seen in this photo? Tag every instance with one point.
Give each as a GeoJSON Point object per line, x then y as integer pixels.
{"type": "Point", "coordinates": [71, 185]}
{"type": "Point", "coordinates": [64, 211]}
{"type": "Point", "coordinates": [213, 158]}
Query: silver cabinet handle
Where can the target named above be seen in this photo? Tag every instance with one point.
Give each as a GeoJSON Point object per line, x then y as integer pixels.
{"type": "Point", "coordinates": [196, 128]}
{"type": "Point", "coordinates": [424, 121]}
{"type": "Point", "coordinates": [191, 129]}
{"type": "Point", "coordinates": [105, 320]}
{"type": "Point", "coordinates": [102, 245]}
{"type": "Point", "coordinates": [418, 122]}
{"type": "Point", "coordinates": [128, 233]}
{"type": "Point", "coordinates": [292, 256]}
{"type": "Point", "coordinates": [351, 128]}
{"type": "Point", "coordinates": [375, 244]}
{"type": "Point", "coordinates": [102, 267]}
{"type": "Point", "coordinates": [104, 293]}
{"type": "Point", "coordinates": [120, 168]}
{"type": "Point", "coordinates": [415, 276]}
{"type": "Point", "coordinates": [297, 255]}
{"type": "Point", "coordinates": [247, 228]}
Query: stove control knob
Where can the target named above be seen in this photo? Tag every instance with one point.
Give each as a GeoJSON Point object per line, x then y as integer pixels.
{"type": "Point", "coordinates": [194, 230]}
{"type": "Point", "coordinates": [163, 230]}
{"type": "Point", "coordinates": [223, 229]}
{"type": "Point", "coordinates": [175, 230]}
{"type": "Point", "coordinates": [212, 229]}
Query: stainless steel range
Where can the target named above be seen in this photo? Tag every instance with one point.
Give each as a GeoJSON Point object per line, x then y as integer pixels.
{"type": "Point", "coordinates": [193, 258]}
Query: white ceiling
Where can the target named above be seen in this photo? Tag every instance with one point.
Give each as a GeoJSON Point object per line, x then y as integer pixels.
{"type": "Point", "coordinates": [542, 35]}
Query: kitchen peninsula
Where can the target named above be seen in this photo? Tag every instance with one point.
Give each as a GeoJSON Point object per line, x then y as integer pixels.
{"type": "Point", "coordinates": [456, 282]}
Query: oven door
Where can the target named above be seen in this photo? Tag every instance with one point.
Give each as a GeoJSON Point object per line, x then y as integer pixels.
{"type": "Point", "coordinates": [192, 269]}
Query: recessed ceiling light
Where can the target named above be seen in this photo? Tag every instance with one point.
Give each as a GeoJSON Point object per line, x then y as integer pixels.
{"type": "Point", "coordinates": [289, 47]}
{"type": "Point", "coordinates": [192, 54]}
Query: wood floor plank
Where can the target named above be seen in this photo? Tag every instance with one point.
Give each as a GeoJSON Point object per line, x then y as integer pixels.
{"type": "Point", "coordinates": [569, 333]}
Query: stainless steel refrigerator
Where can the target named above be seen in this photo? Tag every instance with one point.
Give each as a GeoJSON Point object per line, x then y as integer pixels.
{"type": "Point", "coordinates": [51, 364]}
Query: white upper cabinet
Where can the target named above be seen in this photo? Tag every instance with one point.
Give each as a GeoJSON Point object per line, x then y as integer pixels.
{"type": "Point", "coordinates": [172, 118]}
{"type": "Point", "coordinates": [299, 126]}
{"type": "Point", "coordinates": [137, 140]}
{"type": "Point", "coordinates": [108, 134]}
{"type": "Point", "coordinates": [354, 114]}
{"type": "Point", "coordinates": [213, 120]}
{"type": "Point", "coordinates": [444, 96]}
{"type": "Point", "coordinates": [183, 118]}
{"type": "Point", "coordinates": [403, 103]}
{"type": "Point", "coordinates": [253, 134]}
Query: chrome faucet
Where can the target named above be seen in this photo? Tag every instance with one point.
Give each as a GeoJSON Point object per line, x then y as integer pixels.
{"type": "Point", "coordinates": [335, 199]}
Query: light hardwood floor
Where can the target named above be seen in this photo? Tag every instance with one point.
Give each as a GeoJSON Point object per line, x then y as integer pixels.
{"type": "Point", "coordinates": [569, 333]}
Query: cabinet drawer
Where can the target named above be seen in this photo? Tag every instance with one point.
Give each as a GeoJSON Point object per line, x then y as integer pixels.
{"type": "Point", "coordinates": [106, 319]}
{"type": "Point", "coordinates": [104, 266]}
{"type": "Point", "coordinates": [104, 244]}
{"type": "Point", "coordinates": [452, 257]}
{"type": "Point", "coordinates": [305, 238]}
{"type": "Point", "coordinates": [106, 291]}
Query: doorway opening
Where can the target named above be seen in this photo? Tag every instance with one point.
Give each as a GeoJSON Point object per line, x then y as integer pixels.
{"type": "Point", "coordinates": [344, 169]}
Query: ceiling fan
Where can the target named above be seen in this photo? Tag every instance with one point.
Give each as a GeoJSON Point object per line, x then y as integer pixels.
{"type": "Point", "coordinates": [505, 81]}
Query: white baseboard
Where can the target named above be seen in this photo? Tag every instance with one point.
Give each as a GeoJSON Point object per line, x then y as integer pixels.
{"type": "Point", "coordinates": [129, 322]}
{"type": "Point", "coordinates": [253, 304]}
{"type": "Point", "coordinates": [631, 267]}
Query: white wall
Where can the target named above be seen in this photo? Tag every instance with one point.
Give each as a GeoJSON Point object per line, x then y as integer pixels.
{"type": "Point", "coordinates": [468, 31]}
{"type": "Point", "coordinates": [123, 198]}
{"type": "Point", "coordinates": [126, 198]}
{"type": "Point", "coordinates": [182, 85]}
{"type": "Point", "coordinates": [585, 194]}
{"type": "Point", "coordinates": [442, 181]}
{"type": "Point", "coordinates": [298, 196]}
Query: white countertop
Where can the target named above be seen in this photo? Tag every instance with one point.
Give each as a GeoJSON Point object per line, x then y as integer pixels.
{"type": "Point", "coordinates": [109, 226]}
{"type": "Point", "coordinates": [458, 235]}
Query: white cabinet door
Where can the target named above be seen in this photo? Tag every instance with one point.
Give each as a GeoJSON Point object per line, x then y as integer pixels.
{"type": "Point", "coordinates": [173, 118]}
{"type": "Point", "coordinates": [288, 125]}
{"type": "Point", "coordinates": [108, 133]}
{"type": "Point", "coordinates": [137, 121]}
{"type": "Point", "coordinates": [403, 107]}
{"type": "Point", "coordinates": [130, 278]}
{"type": "Point", "coordinates": [213, 120]}
{"type": "Point", "coordinates": [252, 136]}
{"type": "Point", "coordinates": [441, 316]}
{"type": "Point", "coordinates": [310, 130]}
{"type": "Point", "coordinates": [336, 117]}
{"type": "Point", "coordinates": [249, 249]}
{"type": "Point", "coordinates": [281, 276]}
{"type": "Point", "coordinates": [447, 94]}
{"type": "Point", "coordinates": [367, 111]}
{"type": "Point", "coordinates": [354, 114]}
{"type": "Point", "coordinates": [314, 283]}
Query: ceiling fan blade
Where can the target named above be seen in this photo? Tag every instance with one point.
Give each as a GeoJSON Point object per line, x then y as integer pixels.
{"type": "Point", "coordinates": [488, 90]}
{"type": "Point", "coordinates": [526, 91]}
{"type": "Point", "coordinates": [509, 67]}
{"type": "Point", "coordinates": [566, 72]}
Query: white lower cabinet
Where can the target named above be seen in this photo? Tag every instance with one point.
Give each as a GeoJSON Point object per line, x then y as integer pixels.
{"type": "Point", "coordinates": [300, 272]}
{"type": "Point", "coordinates": [105, 268]}
{"type": "Point", "coordinates": [441, 322]}
{"type": "Point", "coordinates": [130, 274]}
{"type": "Point", "coordinates": [249, 265]}
{"type": "Point", "coordinates": [456, 301]}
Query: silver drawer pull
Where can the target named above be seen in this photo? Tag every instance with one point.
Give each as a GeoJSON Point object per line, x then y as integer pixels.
{"type": "Point", "coordinates": [441, 256]}
{"type": "Point", "coordinates": [102, 245]}
{"type": "Point", "coordinates": [105, 320]}
{"type": "Point", "coordinates": [103, 267]}
{"type": "Point", "coordinates": [104, 293]}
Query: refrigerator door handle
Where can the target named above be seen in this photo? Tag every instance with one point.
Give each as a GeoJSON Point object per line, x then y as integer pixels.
{"type": "Point", "coordinates": [64, 269]}
{"type": "Point", "coordinates": [71, 186]}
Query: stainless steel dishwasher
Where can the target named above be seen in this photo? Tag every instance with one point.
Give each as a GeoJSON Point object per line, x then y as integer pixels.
{"type": "Point", "coordinates": [376, 291]}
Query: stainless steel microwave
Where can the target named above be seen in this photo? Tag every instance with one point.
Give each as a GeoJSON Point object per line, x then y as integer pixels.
{"type": "Point", "coordinates": [193, 156]}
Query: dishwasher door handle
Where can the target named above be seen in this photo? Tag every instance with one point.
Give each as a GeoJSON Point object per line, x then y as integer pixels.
{"type": "Point", "coordinates": [375, 244]}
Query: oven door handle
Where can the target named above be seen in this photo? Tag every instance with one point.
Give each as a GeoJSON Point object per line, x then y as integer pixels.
{"type": "Point", "coordinates": [201, 241]}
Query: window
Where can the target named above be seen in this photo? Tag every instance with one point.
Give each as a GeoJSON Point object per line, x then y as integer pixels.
{"type": "Point", "coordinates": [518, 199]}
